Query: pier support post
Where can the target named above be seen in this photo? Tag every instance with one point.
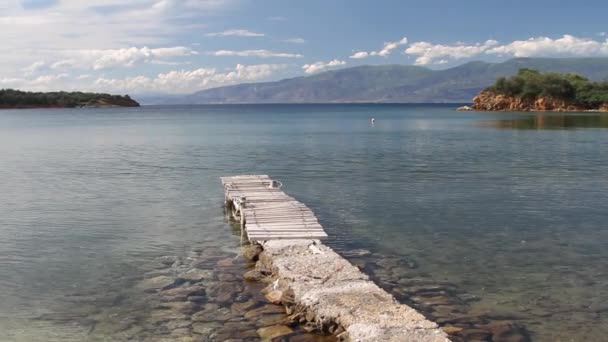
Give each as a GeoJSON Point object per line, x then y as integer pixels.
{"type": "Point", "coordinates": [242, 205]}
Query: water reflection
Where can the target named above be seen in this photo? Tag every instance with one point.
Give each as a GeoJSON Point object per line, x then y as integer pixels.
{"type": "Point", "coordinates": [549, 121]}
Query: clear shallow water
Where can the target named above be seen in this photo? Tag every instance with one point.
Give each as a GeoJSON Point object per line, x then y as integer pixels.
{"type": "Point", "coordinates": [495, 204]}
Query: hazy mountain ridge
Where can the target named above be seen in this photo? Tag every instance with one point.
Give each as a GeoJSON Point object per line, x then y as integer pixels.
{"type": "Point", "coordinates": [392, 83]}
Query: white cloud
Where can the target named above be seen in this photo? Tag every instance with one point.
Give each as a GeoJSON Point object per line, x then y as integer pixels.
{"type": "Point", "coordinates": [320, 66]}
{"type": "Point", "coordinates": [103, 59]}
{"type": "Point", "coordinates": [95, 25]}
{"type": "Point", "coordinates": [63, 64]}
{"type": "Point", "coordinates": [567, 45]}
{"type": "Point", "coordinates": [386, 50]}
{"type": "Point", "coordinates": [172, 82]}
{"type": "Point", "coordinates": [34, 67]}
{"type": "Point", "coordinates": [188, 81]}
{"type": "Point", "coordinates": [360, 54]}
{"type": "Point", "coordinates": [111, 58]}
{"type": "Point", "coordinates": [428, 53]}
{"type": "Point", "coordinates": [255, 53]}
{"type": "Point", "coordinates": [236, 33]}
{"type": "Point", "coordinates": [295, 40]}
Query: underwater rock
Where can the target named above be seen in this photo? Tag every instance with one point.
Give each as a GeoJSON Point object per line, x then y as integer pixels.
{"type": "Point", "coordinates": [228, 262]}
{"type": "Point", "coordinates": [474, 334]}
{"type": "Point", "coordinates": [156, 273]}
{"type": "Point", "coordinates": [239, 308]}
{"type": "Point", "coordinates": [269, 333]}
{"type": "Point", "coordinates": [195, 275]}
{"type": "Point", "coordinates": [247, 334]}
{"type": "Point", "coordinates": [506, 332]}
{"type": "Point", "coordinates": [251, 252]}
{"type": "Point", "coordinates": [182, 293]}
{"type": "Point", "coordinates": [157, 283]}
{"type": "Point", "coordinates": [197, 299]}
{"type": "Point", "coordinates": [178, 324]}
{"type": "Point", "coordinates": [451, 330]}
{"type": "Point", "coordinates": [155, 317]}
{"type": "Point", "coordinates": [205, 328]}
{"type": "Point", "coordinates": [444, 311]}
{"type": "Point", "coordinates": [182, 307]}
{"type": "Point", "coordinates": [432, 301]}
{"type": "Point", "coordinates": [223, 292]}
{"type": "Point", "coordinates": [211, 313]}
{"type": "Point", "coordinates": [312, 337]}
{"type": "Point", "coordinates": [167, 259]}
{"type": "Point", "coordinates": [264, 310]}
{"type": "Point", "coordinates": [254, 275]}
{"type": "Point", "coordinates": [274, 296]}
{"type": "Point", "coordinates": [273, 319]}
{"type": "Point", "coordinates": [226, 277]}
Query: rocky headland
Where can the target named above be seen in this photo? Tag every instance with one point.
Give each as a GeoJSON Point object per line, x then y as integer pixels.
{"type": "Point", "coordinates": [10, 98]}
{"type": "Point", "coordinates": [531, 90]}
{"type": "Point", "coordinates": [491, 101]}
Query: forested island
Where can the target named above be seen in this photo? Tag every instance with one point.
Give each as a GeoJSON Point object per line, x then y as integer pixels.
{"type": "Point", "coordinates": [10, 98]}
{"type": "Point", "coordinates": [532, 90]}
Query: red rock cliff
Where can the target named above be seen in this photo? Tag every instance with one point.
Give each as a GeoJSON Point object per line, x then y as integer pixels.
{"type": "Point", "coordinates": [489, 101]}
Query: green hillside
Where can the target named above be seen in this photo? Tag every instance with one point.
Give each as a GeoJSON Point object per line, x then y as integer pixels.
{"type": "Point", "coordinates": [10, 98]}
{"type": "Point", "coordinates": [394, 83]}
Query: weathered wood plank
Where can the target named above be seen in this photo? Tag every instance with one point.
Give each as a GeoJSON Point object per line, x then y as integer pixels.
{"type": "Point", "coordinates": [269, 213]}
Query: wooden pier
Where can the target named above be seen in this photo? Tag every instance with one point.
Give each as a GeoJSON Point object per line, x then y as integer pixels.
{"type": "Point", "coordinates": [266, 212]}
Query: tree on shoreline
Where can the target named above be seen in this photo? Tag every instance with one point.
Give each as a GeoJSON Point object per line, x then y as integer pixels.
{"type": "Point", "coordinates": [10, 98]}
{"type": "Point", "coordinates": [574, 88]}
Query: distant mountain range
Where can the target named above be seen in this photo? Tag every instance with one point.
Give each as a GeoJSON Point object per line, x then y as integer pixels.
{"type": "Point", "coordinates": [391, 83]}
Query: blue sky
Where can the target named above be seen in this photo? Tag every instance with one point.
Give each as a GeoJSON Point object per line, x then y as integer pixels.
{"type": "Point", "coordinates": [181, 46]}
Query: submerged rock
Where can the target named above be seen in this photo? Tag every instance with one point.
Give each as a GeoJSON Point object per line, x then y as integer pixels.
{"type": "Point", "coordinates": [195, 275]}
{"type": "Point", "coordinates": [228, 262]}
{"type": "Point", "coordinates": [178, 324]}
{"type": "Point", "coordinates": [254, 275]}
{"type": "Point", "coordinates": [212, 313]}
{"type": "Point", "coordinates": [157, 283]}
{"type": "Point", "coordinates": [167, 259]}
{"type": "Point", "coordinates": [264, 310]}
{"type": "Point", "coordinates": [205, 328]}
{"type": "Point", "coordinates": [268, 333]}
{"type": "Point", "coordinates": [274, 319]}
{"type": "Point", "coordinates": [251, 252]}
{"type": "Point", "coordinates": [182, 307]}
{"type": "Point", "coordinates": [274, 296]}
{"type": "Point", "coordinates": [182, 293]}
{"type": "Point", "coordinates": [239, 308]}
{"type": "Point", "coordinates": [506, 332]}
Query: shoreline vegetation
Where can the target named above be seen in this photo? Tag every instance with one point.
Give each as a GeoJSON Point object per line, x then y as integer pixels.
{"type": "Point", "coordinates": [532, 90]}
{"type": "Point", "coordinates": [16, 99]}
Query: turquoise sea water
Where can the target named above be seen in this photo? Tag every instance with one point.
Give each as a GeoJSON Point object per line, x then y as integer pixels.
{"type": "Point", "coordinates": [508, 208]}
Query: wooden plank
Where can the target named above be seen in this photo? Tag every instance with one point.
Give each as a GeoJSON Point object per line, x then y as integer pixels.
{"type": "Point", "coordinates": [268, 212]}
{"type": "Point", "coordinates": [281, 231]}
{"type": "Point", "coordinates": [281, 219]}
{"type": "Point", "coordinates": [284, 224]}
{"type": "Point", "coordinates": [295, 236]}
{"type": "Point", "coordinates": [276, 228]}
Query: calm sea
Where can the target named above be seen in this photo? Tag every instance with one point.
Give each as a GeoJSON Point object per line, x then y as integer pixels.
{"type": "Point", "coordinates": [510, 209]}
